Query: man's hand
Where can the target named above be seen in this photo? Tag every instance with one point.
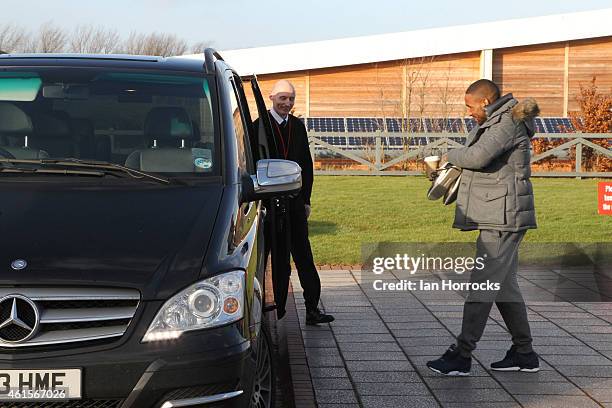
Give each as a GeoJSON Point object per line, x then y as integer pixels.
{"type": "Point", "coordinates": [444, 159]}
{"type": "Point", "coordinates": [307, 209]}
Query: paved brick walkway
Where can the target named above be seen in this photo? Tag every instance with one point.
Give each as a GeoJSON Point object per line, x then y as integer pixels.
{"type": "Point", "coordinates": [374, 354]}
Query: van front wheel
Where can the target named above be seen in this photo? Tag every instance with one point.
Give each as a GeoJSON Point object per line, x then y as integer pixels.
{"type": "Point", "coordinates": [263, 392]}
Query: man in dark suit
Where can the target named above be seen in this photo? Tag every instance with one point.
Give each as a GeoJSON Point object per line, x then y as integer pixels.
{"type": "Point", "coordinates": [292, 213]}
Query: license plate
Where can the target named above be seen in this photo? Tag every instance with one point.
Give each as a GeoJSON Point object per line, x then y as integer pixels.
{"type": "Point", "coordinates": [40, 384]}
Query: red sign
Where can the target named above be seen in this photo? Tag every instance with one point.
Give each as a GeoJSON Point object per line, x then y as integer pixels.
{"type": "Point", "coordinates": [604, 206]}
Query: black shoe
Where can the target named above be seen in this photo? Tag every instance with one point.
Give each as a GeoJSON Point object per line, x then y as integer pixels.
{"type": "Point", "coordinates": [314, 317]}
{"type": "Point", "coordinates": [451, 363]}
{"type": "Point", "coordinates": [515, 361]}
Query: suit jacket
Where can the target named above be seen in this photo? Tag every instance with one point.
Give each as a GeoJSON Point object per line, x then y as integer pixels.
{"type": "Point", "coordinates": [297, 149]}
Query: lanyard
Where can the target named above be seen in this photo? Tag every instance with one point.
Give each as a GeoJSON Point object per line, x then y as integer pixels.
{"type": "Point", "coordinates": [280, 135]}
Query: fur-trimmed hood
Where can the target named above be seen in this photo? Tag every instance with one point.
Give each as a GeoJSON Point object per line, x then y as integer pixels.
{"type": "Point", "coordinates": [527, 108]}
{"type": "Point", "coordinates": [525, 111]}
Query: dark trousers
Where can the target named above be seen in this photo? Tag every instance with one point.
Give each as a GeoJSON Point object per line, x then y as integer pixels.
{"type": "Point", "coordinates": [292, 241]}
{"type": "Point", "coordinates": [500, 251]}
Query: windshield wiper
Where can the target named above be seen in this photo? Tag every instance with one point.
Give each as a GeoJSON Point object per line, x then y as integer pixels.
{"type": "Point", "coordinates": [72, 162]}
{"type": "Point", "coordinates": [14, 169]}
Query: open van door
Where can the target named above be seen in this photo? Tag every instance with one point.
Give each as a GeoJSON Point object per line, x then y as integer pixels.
{"type": "Point", "coordinates": [267, 148]}
{"type": "Point", "coordinates": [266, 141]}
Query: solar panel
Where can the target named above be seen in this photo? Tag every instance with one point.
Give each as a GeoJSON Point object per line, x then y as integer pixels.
{"type": "Point", "coordinates": [368, 141]}
{"type": "Point", "coordinates": [338, 141]}
{"type": "Point", "coordinates": [434, 125]}
{"type": "Point", "coordinates": [326, 124]}
{"type": "Point", "coordinates": [568, 124]}
{"type": "Point", "coordinates": [417, 141]}
{"type": "Point", "coordinates": [364, 124]}
{"type": "Point", "coordinates": [392, 124]}
{"type": "Point", "coordinates": [416, 125]}
{"type": "Point", "coordinates": [362, 141]}
{"type": "Point", "coordinates": [540, 127]}
{"type": "Point", "coordinates": [558, 125]}
{"type": "Point", "coordinates": [309, 124]}
{"type": "Point", "coordinates": [430, 125]}
{"type": "Point", "coordinates": [404, 125]}
{"type": "Point", "coordinates": [453, 125]}
{"type": "Point", "coordinates": [470, 123]}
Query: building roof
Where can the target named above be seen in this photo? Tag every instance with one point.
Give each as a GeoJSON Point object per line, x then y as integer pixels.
{"type": "Point", "coordinates": [419, 43]}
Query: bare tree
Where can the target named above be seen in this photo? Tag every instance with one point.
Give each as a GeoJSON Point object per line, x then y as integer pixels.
{"type": "Point", "coordinates": [94, 40]}
{"type": "Point", "coordinates": [169, 44]}
{"type": "Point", "coordinates": [155, 44]}
{"type": "Point", "coordinates": [12, 38]}
{"type": "Point", "coordinates": [135, 44]}
{"type": "Point", "coordinates": [200, 46]}
{"type": "Point", "coordinates": [91, 39]}
{"type": "Point", "coordinates": [422, 91]}
{"type": "Point", "coordinates": [50, 38]}
{"type": "Point", "coordinates": [447, 95]}
{"type": "Point", "coordinates": [416, 73]}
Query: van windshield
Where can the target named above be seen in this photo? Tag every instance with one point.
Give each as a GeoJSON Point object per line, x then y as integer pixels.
{"type": "Point", "coordinates": [149, 121]}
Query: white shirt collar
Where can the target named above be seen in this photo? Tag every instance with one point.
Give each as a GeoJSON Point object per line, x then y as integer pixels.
{"type": "Point", "coordinates": [277, 117]}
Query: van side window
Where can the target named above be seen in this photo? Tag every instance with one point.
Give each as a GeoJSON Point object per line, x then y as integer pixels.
{"type": "Point", "coordinates": [245, 160]}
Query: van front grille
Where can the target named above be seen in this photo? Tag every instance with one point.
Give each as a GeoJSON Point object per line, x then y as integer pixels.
{"type": "Point", "coordinates": [68, 315]}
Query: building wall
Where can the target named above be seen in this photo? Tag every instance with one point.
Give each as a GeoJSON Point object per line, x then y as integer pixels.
{"type": "Point", "coordinates": [445, 78]}
{"type": "Point", "coordinates": [588, 59]}
{"type": "Point", "coordinates": [536, 71]}
{"type": "Point", "coordinates": [372, 90]}
{"type": "Point", "coordinates": [434, 86]}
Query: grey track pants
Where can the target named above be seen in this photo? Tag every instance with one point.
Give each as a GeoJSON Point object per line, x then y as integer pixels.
{"type": "Point", "coordinates": [500, 251]}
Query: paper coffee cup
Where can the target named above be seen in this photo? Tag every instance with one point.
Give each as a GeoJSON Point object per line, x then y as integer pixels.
{"type": "Point", "coordinates": [432, 162]}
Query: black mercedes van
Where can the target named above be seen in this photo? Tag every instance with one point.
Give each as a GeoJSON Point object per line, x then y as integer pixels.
{"type": "Point", "coordinates": [131, 233]}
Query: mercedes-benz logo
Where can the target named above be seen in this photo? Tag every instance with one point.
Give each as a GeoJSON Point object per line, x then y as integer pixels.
{"type": "Point", "coordinates": [18, 264]}
{"type": "Point", "coordinates": [19, 319]}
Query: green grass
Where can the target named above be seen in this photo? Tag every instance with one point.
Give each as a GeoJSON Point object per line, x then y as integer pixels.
{"type": "Point", "coordinates": [349, 211]}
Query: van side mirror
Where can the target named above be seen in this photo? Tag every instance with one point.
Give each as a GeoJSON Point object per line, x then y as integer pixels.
{"type": "Point", "coordinates": [274, 178]}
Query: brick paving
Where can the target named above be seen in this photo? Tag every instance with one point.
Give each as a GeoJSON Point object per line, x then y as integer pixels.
{"type": "Point", "coordinates": [374, 354]}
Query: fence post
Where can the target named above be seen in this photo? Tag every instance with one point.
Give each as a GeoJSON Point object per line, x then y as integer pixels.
{"type": "Point", "coordinates": [378, 159]}
{"type": "Point", "coordinates": [311, 147]}
{"type": "Point", "coordinates": [579, 159]}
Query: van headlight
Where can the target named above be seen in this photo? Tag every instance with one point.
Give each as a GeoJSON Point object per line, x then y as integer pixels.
{"type": "Point", "coordinates": [209, 303]}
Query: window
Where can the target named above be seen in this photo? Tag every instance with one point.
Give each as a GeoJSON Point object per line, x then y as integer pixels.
{"type": "Point", "coordinates": [245, 160]}
{"type": "Point", "coordinates": [111, 115]}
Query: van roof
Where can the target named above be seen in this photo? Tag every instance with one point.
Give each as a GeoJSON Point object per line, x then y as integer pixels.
{"type": "Point", "coordinates": [103, 60]}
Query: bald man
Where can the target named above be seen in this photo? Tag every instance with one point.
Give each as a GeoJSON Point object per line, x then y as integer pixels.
{"type": "Point", "coordinates": [496, 198]}
{"type": "Point", "coordinates": [292, 226]}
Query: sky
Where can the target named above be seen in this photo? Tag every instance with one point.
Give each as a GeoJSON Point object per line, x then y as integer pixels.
{"type": "Point", "coordinates": [232, 24]}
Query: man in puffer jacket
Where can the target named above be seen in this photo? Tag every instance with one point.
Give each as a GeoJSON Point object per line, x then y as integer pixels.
{"type": "Point", "coordinates": [495, 197]}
